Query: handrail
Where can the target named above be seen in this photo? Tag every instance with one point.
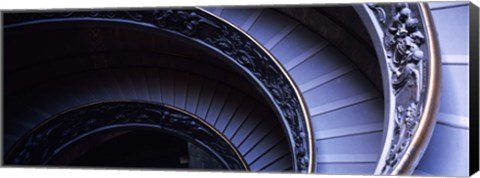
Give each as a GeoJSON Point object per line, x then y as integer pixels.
{"type": "Point", "coordinates": [405, 41]}
{"type": "Point", "coordinates": [243, 52]}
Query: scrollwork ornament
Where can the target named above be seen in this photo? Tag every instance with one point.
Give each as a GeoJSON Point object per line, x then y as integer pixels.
{"type": "Point", "coordinates": [379, 12]}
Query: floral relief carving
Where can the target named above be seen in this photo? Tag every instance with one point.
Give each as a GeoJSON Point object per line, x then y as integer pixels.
{"type": "Point", "coordinates": [403, 40]}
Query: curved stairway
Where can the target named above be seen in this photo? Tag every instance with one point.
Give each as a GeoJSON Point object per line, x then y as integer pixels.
{"type": "Point", "coordinates": [345, 107]}
{"type": "Point", "coordinates": [348, 129]}
{"type": "Point", "coordinates": [232, 112]}
{"type": "Point", "coordinates": [49, 85]}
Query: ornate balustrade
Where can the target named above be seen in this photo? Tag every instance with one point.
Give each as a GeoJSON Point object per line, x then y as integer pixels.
{"type": "Point", "coordinates": [406, 46]}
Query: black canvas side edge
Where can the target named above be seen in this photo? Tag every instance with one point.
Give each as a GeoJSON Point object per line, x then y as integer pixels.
{"type": "Point", "coordinates": [474, 90]}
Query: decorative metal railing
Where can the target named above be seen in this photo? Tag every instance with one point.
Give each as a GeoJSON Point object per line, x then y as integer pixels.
{"type": "Point", "coordinates": [48, 140]}
{"type": "Point", "coordinates": [241, 50]}
{"type": "Point", "coordinates": [406, 44]}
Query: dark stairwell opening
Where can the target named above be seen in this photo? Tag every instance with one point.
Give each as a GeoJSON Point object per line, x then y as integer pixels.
{"type": "Point", "coordinates": [139, 149]}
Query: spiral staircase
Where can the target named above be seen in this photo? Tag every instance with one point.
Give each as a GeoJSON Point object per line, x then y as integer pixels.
{"type": "Point", "coordinates": [345, 107]}
{"type": "Point", "coordinates": [335, 69]}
